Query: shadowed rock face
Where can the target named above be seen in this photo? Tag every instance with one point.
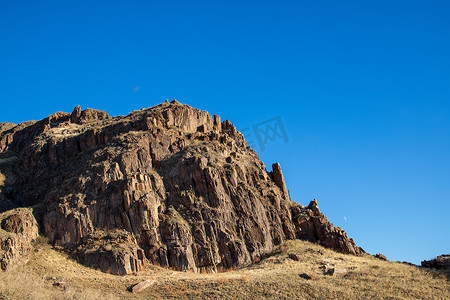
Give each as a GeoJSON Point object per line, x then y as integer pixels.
{"type": "Point", "coordinates": [167, 184]}
{"type": "Point", "coordinates": [442, 262]}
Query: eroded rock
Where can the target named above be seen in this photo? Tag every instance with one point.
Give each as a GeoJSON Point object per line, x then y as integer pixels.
{"type": "Point", "coordinates": [176, 187]}
{"type": "Point", "coordinates": [18, 229]}
{"type": "Point", "coordinates": [114, 252]}
{"type": "Point", "coordinates": [442, 262]}
{"type": "Point", "coordinates": [313, 226]}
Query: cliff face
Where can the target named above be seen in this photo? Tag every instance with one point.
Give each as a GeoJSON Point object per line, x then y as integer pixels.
{"type": "Point", "coordinates": [168, 185]}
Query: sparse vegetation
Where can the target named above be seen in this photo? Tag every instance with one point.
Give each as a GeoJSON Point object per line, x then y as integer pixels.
{"type": "Point", "coordinates": [53, 275]}
{"type": "Point", "coordinates": [174, 216]}
{"type": "Point", "coordinates": [302, 215]}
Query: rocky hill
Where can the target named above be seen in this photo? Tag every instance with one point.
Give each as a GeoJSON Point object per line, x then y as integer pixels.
{"type": "Point", "coordinates": [169, 185]}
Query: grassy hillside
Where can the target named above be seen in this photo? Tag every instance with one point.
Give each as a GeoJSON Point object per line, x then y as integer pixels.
{"type": "Point", "coordinates": [52, 275]}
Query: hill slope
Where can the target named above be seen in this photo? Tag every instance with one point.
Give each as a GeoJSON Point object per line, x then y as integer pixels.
{"type": "Point", "coordinates": [50, 274]}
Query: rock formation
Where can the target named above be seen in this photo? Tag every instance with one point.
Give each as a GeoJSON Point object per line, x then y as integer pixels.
{"type": "Point", "coordinates": [278, 178]}
{"type": "Point", "coordinates": [312, 225]}
{"type": "Point", "coordinates": [168, 185]}
{"type": "Point", "coordinates": [18, 229]}
{"type": "Point", "coordinates": [442, 262]}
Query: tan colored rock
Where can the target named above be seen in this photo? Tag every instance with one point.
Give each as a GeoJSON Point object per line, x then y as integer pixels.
{"type": "Point", "coordinates": [5, 126]}
{"type": "Point", "coordinates": [278, 178]}
{"type": "Point", "coordinates": [18, 230]}
{"type": "Point", "coordinates": [336, 271]}
{"type": "Point", "coordinates": [217, 124]}
{"type": "Point", "coordinates": [142, 285]}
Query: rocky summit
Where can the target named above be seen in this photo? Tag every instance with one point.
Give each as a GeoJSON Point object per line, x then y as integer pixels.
{"type": "Point", "coordinates": [168, 185]}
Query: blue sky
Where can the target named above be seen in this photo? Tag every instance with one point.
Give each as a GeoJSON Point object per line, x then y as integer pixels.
{"type": "Point", "coordinates": [361, 87]}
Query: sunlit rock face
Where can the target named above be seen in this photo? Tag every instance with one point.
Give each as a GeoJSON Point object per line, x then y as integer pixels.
{"type": "Point", "coordinates": [18, 229]}
{"type": "Point", "coordinates": [169, 185]}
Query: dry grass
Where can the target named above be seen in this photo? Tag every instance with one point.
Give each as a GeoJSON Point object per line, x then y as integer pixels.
{"type": "Point", "coordinates": [276, 277]}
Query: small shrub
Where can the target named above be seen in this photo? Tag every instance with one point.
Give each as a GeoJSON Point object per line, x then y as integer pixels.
{"type": "Point", "coordinates": [302, 215]}
{"type": "Point", "coordinates": [256, 260]}
{"type": "Point", "coordinates": [350, 276]}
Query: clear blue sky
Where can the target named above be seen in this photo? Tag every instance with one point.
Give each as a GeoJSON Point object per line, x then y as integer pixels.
{"type": "Point", "coordinates": [362, 88]}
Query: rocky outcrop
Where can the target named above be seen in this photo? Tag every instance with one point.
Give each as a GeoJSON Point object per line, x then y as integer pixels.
{"type": "Point", "coordinates": [278, 178]}
{"type": "Point", "coordinates": [442, 262]}
{"type": "Point", "coordinates": [79, 117]}
{"type": "Point", "coordinates": [18, 230]}
{"type": "Point", "coordinates": [380, 256]}
{"type": "Point", "coordinates": [114, 252]}
{"type": "Point", "coordinates": [178, 188]}
{"type": "Point", "coordinates": [313, 226]}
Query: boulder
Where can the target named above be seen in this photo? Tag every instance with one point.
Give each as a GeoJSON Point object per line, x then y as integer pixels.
{"type": "Point", "coordinates": [336, 271]}
{"type": "Point", "coordinates": [142, 285]}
